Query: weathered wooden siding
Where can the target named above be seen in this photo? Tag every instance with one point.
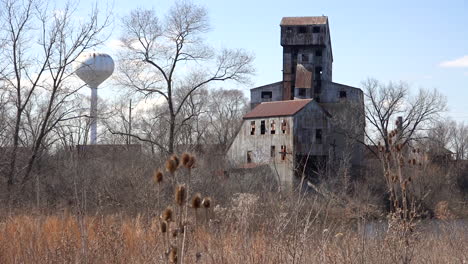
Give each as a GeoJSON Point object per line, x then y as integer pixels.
{"type": "Point", "coordinates": [260, 145]}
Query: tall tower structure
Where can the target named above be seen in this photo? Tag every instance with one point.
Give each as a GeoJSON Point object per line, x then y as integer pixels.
{"type": "Point", "coordinates": [94, 68]}
{"type": "Point", "coordinates": [307, 56]}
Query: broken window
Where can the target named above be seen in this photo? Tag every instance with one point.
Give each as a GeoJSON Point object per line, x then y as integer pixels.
{"type": "Point", "coordinates": [272, 151]}
{"type": "Point", "coordinates": [316, 29]}
{"type": "Point", "coordinates": [283, 126]}
{"type": "Point", "coordinates": [302, 92]}
{"type": "Point", "coordinates": [318, 53]}
{"type": "Point", "coordinates": [283, 152]}
{"type": "Point", "coordinates": [266, 96]}
{"type": "Point", "coordinates": [249, 156]}
{"type": "Point", "coordinates": [342, 94]}
{"type": "Point", "coordinates": [273, 127]}
{"type": "Point", "coordinates": [262, 127]}
{"type": "Point", "coordinates": [252, 128]}
{"type": "Point", "coordinates": [318, 136]}
{"type": "Point", "coordinates": [302, 30]}
{"type": "Point", "coordinates": [289, 30]}
{"type": "Point", "coordinates": [305, 57]}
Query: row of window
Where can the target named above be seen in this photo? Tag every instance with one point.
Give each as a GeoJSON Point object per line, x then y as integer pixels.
{"type": "Point", "coordinates": [272, 131]}
{"type": "Point", "coordinates": [283, 153]}
{"type": "Point", "coordinates": [303, 30]}
{"type": "Point", "coordinates": [305, 57]}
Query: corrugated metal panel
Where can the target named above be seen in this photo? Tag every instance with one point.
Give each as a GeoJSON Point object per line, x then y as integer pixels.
{"type": "Point", "coordinates": [278, 108]}
{"type": "Point", "coordinates": [301, 21]}
{"type": "Point", "coordinates": [303, 77]}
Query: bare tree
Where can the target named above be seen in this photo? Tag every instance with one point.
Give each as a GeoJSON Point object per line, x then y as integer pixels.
{"type": "Point", "coordinates": [160, 58]}
{"type": "Point", "coordinates": [40, 69]}
{"type": "Point", "coordinates": [385, 102]}
{"type": "Point", "coordinates": [448, 135]}
{"type": "Point", "coordinates": [226, 109]}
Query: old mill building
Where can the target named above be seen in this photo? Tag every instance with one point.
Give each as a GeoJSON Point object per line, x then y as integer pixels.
{"type": "Point", "coordinates": [305, 121]}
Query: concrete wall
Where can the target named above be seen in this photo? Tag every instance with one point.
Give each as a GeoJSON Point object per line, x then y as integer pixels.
{"type": "Point", "coordinates": [260, 145]}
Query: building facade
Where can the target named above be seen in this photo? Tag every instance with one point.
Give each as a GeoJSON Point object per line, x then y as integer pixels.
{"type": "Point", "coordinates": [329, 126]}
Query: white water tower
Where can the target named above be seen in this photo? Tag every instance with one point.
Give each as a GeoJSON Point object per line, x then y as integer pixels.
{"type": "Point", "coordinates": [94, 68]}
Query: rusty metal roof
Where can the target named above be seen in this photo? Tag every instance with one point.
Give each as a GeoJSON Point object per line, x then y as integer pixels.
{"type": "Point", "coordinates": [303, 77]}
{"type": "Point", "coordinates": [303, 21]}
{"type": "Point", "coordinates": [277, 108]}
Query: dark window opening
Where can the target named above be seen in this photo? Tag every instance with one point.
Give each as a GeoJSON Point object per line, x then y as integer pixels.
{"type": "Point", "coordinates": [273, 127]}
{"type": "Point", "coordinates": [302, 92]}
{"type": "Point", "coordinates": [289, 29]}
{"type": "Point", "coordinates": [302, 30]}
{"type": "Point", "coordinates": [317, 99]}
{"type": "Point", "coordinates": [272, 151]}
{"type": "Point", "coordinates": [252, 128]}
{"type": "Point", "coordinates": [249, 156]}
{"type": "Point", "coordinates": [262, 127]}
{"type": "Point", "coordinates": [318, 136]}
{"type": "Point", "coordinates": [293, 86]}
{"type": "Point", "coordinates": [305, 58]}
{"type": "Point", "coordinates": [283, 152]}
{"type": "Point", "coordinates": [342, 94]}
{"type": "Point", "coordinates": [267, 95]}
{"type": "Point", "coordinates": [283, 126]}
{"type": "Point", "coordinates": [316, 30]}
{"type": "Point", "coordinates": [318, 72]}
{"type": "Point", "coordinates": [318, 53]}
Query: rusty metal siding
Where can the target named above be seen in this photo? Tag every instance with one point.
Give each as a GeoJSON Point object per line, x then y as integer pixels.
{"type": "Point", "coordinates": [279, 108]}
{"type": "Point", "coordinates": [304, 77]}
{"type": "Point", "coordinates": [297, 21]}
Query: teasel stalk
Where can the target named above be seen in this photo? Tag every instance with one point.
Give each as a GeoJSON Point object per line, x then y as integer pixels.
{"type": "Point", "coordinates": [196, 204]}
{"type": "Point", "coordinates": [206, 203]}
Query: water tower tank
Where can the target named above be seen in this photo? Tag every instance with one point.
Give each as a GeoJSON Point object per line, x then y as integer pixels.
{"type": "Point", "coordinates": [94, 68]}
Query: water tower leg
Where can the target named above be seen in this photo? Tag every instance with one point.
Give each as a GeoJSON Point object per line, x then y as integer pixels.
{"type": "Point", "coordinates": [93, 116]}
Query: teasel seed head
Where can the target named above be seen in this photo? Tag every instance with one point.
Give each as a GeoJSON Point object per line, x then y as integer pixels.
{"type": "Point", "coordinates": [191, 163]}
{"type": "Point", "coordinates": [206, 202]}
{"type": "Point", "coordinates": [185, 159]}
{"type": "Point", "coordinates": [414, 161]}
{"type": "Point", "coordinates": [175, 232]}
{"type": "Point", "coordinates": [196, 201]}
{"type": "Point", "coordinates": [390, 141]}
{"type": "Point", "coordinates": [171, 166]}
{"type": "Point", "coordinates": [158, 177]}
{"type": "Point", "coordinates": [167, 214]}
{"type": "Point", "coordinates": [176, 160]}
{"type": "Point", "coordinates": [163, 226]}
{"type": "Point", "coordinates": [180, 194]}
{"type": "Point", "coordinates": [402, 161]}
{"type": "Point", "coordinates": [173, 255]}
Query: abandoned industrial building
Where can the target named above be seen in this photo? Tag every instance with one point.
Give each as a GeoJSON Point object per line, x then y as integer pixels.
{"type": "Point", "coordinates": [306, 119]}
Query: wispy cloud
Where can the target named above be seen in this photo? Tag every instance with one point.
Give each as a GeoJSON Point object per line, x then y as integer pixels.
{"type": "Point", "coordinates": [460, 62]}
{"type": "Point", "coordinates": [466, 74]}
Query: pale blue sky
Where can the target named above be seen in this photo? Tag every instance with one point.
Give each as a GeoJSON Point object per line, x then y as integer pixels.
{"type": "Point", "coordinates": [387, 40]}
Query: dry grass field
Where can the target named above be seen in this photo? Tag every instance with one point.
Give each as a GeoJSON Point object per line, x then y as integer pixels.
{"type": "Point", "coordinates": [67, 238]}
